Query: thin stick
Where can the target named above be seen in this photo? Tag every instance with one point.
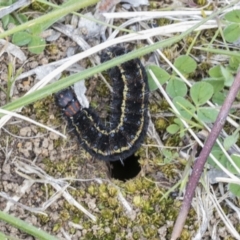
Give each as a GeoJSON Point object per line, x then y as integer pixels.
{"type": "Point", "coordinates": [200, 162]}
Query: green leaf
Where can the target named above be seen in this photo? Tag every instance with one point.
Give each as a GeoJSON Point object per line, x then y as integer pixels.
{"type": "Point", "coordinates": [215, 72]}
{"type": "Point", "coordinates": [236, 160]}
{"type": "Point", "coordinates": [235, 189]}
{"type": "Point", "coordinates": [233, 16]}
{"type": "Point", "coordinates": [168, 155]}
{"type": "Point", "coordinates": [201, 92]}
{"type": "Point", "coordinates": [207, 115]}
{"type": "Point", "coordinates": [5, 21]}
{"type": "Point", "coordinates": [160, 74]}
{"type": "Point", "coordinates": [21, 38]}
{"type": "Point", "coordinates": [232, 32]}
{"type": "Point", "coordinates": [229, 141]}
{"type": "Point", "coordinates": [37, 29]}
{"type": "Point", "coordinates": [36, 45]}
{"type": "Point", "coordinates": [185, 108]}
{"type": "Point", "coordinates": [176, 88]}
{"type": "Point", "coordinates": [218, 98]}
{"type": "Point", "coordinates": [173, 128]}
{"type": "Point", "coordinates": [228, 77]}
{"type": "Point", "coordinates": [9, 19]}
{"type": "Point", "coordinates": [185, 64]}
{"type": "Point", "coordinates": [5, 3]}
{"type": "Point", "coordinates": [217, 84]}
{"type": "Point", "coordinates": [219, 155]}
{"type": "Point", "coordinates": [234, 63]}
{"type": "Point", "coordinates": [22, 17]}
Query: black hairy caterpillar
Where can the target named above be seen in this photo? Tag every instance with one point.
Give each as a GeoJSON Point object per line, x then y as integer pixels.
{"type": "Point", "coordinates": [129, 107]}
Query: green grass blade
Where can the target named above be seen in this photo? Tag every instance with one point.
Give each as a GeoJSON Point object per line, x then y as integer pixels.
{"type": "Point", "coordinates": [25, 227]}
{"type": "Point", "coordinates": [220, 51]}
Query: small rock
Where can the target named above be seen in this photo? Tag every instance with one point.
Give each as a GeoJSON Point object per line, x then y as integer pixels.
{"type": "Point", "coordinates": [45, 143]}
{"type": "Point", "coordinates": [26, 131]}
{"type": "Point", "coordinates": [53, 136]}
{"type": "Point", "coordinates": [50, 145]}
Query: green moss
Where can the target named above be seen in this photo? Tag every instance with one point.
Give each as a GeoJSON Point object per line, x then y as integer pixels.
{"type": "Point", "coordinates": [42, 108]}
{"type": "Point", "coordinates": [149, 231]}
{"type": "Point", "coordinates": [43, 218]}
{"type": "Point", "coordinates": [210, 7]}
{"type": "Point", "coordinates": [14, 129]}
{"type": "Point", "coordinates": [112, 221]}
{"type": "Point", "coordinates": [161, 124]}
{"type": "Point", "coordinates": [123, 221]}
{"type": "Point", "coordinates": [113, 203]}
{"type": "Point", "coordinates": [65, 168]}
{"type": "Point", "coordinates": [52, 49]}
{"type": "Point", "coordinates": [229, 238]}
{"type": "Point", "coordinates": [156, 107]}
{"type": "Point", "coordinates": [238, 227]}
{"type": "Point", "coordinates": [130, 186]}
{"type": "Point", "coordinates": [41, 7]}
{"type": "Point", "coordinates": [136, 235]}
{"type": "Point", "coordinates": [168, 170]}
{"type": "Point", "coordinates": [200, 2]}
{"type": "Point", "coordinates": [112, 191]}
{"type": "Point", "coordinates": [58, 142]}
{"type": "Point", "coordinates": [92, 190]}
{"type": "Point", "coordinates": [57, 227]}
{"type": "Point", "coordinates": [173, 141]}
{"type": "Point", "coordinates": [64, 215]}
{"type": "Point", "coordinates": [185, 235]}
{"type": "Point", "coordinates": [102, 89]}
{"type": "Point", "coordinates": [107, 215]}
{"type": "Point", "coordinates": [163, 21]}
{"type": "Point", "coordinates": [141, 152]}
{"type": "Point", "coordinates": [171, 53]}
